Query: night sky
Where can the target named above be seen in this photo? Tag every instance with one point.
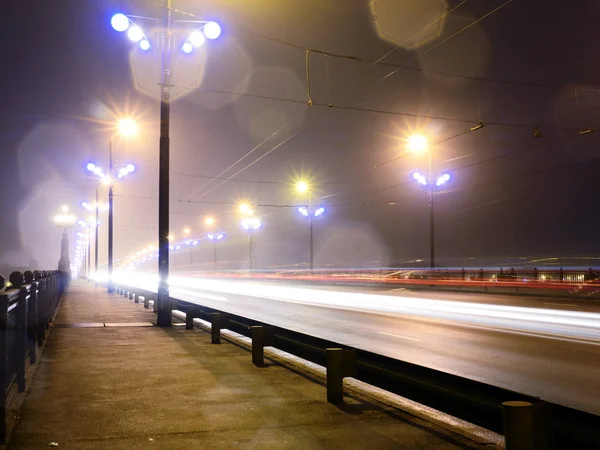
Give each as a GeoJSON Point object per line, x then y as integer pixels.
{"type": "Point", "coordinates": [66, 75]}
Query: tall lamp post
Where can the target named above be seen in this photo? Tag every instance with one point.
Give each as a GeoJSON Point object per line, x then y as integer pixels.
{"type": "Point", "coordinates": [97, 207]}
{"type": "Point", "coordinates": [64, 220]}
{"type": "Point", "coordinates": [419, 144]}
{"type": "Point", "coordinates": [165, 40]}
{"type": "Point", "coordinates": [109, 179]}
{"type": "Point", "coordinates": [302, 187]}
{"type": "Point", "coordinates": [214, 238]}
{"type": "Point", "coordinates": [251, 225]}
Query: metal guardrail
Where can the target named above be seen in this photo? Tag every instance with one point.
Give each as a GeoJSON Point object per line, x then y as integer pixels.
{"type": "Point", "coordinates": [27, 307]}
{"type": "Point", "coordinates": [526, 421]}
{"type": "Point", "coordinates": [532, 275]}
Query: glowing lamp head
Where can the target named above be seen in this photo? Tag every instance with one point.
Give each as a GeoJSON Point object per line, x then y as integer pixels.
{"type": "Point", "coordinates": [196, 39]}
{"type": "Point", "coordinates": [220, 236]}
{"type": "Point", "coordinates": [420, 178]}
{"type": "Point", "coordinates": [302, 210]}
{"type": "Point", "coordinates": [64, 208]}
{"type": "Point", "coordinates": [127, 127]}
{"type": "Point", "coordinates": [209, 221]}
{"type": "Point", "coordinates": [441, 180]}
{"type": "Point", "coordinates": [145, 44]}
{"type": "Point", "coordinates": [135, 33]}
{"type": "Point", "coordinates": [119, 22]}
{"type": "Point", "coordinates": [211, 236]}
{"type": "Point", "coordinates": [187, 47]}
{"type": "Point", "coordinates": [245, 208]}
{"type": "Point", "coordinates": [302, 187]}
{"type": "Point", "coordinates": [251, 224]}
{"type": "Point", "coordinates": [212, 30]}
{"type": "Point", "coordinates": [187, 231]}
{"type": "Point", "coordinates": [417, 143]}
{"type": "Point", "coordinates": [91, 167]}
{"type": "Point", "coordinates": [130, 168]}
{"type": "Point", "coordinates": [319, 211]}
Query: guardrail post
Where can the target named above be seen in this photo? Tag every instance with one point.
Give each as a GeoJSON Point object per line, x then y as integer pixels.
{"type": "Point", "coordinates": [561, 275]}
{"type": "Point", "coordinates": [518, 425]}
{"type": "Point", "coordinates": [217, 321]}
{"type": "Point", "coordinates": [535, 274]}
{"type": "Point", "coordinates": [261, 337]}
{"type": "Point", "coordinates": [463, 274]}
{"type": "Point", "coordinates": [190, 315]}
{"type": "Point", "coordinates": [340, 363]}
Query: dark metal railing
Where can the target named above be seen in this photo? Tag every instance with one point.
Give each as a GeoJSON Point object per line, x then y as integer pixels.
{"type": "Point", "coordinates": [27, 307]}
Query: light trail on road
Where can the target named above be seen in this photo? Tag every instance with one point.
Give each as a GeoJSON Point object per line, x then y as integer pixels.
{"type": "Point", "coordinates": [541, 351]}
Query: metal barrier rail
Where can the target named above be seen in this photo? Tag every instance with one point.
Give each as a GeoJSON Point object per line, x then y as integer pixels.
{"type": "Point", "coordinates": [534, 275]}
{"type": "Point", "coordinates": [525, 421]}
{"type": "Point", "coordinates": [26, 311]}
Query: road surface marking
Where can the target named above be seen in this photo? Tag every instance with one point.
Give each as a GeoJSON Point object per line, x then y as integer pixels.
{"type": "Point", "coordinates": [560, 304]}
{"type": "Point", "coordinates": [285, 314]}
{"type": "Point", "coordinates": [398, 336]}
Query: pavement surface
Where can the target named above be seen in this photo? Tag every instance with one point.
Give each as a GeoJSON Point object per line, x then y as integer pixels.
{"type": "Point", "coordinates": [109, 380]}
{"type": "Point", "coordinates": [544, 347]}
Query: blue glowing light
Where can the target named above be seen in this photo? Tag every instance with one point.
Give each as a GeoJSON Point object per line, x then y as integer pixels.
{"type": "Point", "coordinates": [120, 22]}
{"type": "Point", "coordinates": [212, 30]}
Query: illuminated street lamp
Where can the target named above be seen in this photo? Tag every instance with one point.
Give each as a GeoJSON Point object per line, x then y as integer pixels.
{"type": "Point", "coordinates": [251, 225]}
{"type": "Point", "coordinates": [422, 180]}
{"type": "Point", "coordinates": [302, 187]}
{"type": "Point", "coordinates": [97, 207]}
{"type": "Point", "coordinates": [215, 237]}
{"type": "Point", "coordinates": [164, 42]}
{"type": "Point", "coordinates": [126, 127]}
{"type": "Point", "coordinates": [209, 221]}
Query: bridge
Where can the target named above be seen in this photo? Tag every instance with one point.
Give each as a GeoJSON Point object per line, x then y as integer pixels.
{"type": "Point", "coordinates": [469, 368]}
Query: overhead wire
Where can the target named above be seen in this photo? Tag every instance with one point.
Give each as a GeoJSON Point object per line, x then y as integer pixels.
{"type": "Point", "coordinates": [251, 164]}
{"type": "Point", "coordinates": [398, 66]}
{"type": "Point", "coordinates": [406, 41]}
{"type": "Point", "coordinates": [382, 111]}
{"type": "Point", "coordinates": [239, 160]}
{"type": "Point", "coordinates": [449, 38]}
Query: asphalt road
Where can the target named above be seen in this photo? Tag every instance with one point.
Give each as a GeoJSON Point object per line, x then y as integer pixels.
{"type": "Point", "coordinates": [544, 347]}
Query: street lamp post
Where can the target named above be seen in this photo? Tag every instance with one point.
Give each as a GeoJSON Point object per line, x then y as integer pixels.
{"type": "Point", "coordinates": [95, 223]}
{"type": "Point", "coordinates": [211, 30]}
{"type": "Point", "coordinates": [303, 187]}
{"type": "Point", "coordinates": [251, 224]}
{"type": "Point", "coordinates": [109, 179]}
{"type": "Point", "coordinates": [442, 179]}
{"type": "Point", "coordinates": [214, 238]}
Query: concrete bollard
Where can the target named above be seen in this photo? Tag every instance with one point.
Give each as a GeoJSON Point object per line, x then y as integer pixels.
{"type": "Point", "coordinates": [155, 304]}
{"type": "Point", "coordinates": [518, 425]}
{"type": "Point", "coordinates": [340, 363]}
{"type": "Point", "coordinates": [261, 337]}
{"type": "Point", "coordinates": [136, 298]}
{"type": "Point", "coordinates": [124, 293]}
{"type": "Point", "coordinates": [130, 295]}
{"type": "Point", "coordinates": [146, 300]}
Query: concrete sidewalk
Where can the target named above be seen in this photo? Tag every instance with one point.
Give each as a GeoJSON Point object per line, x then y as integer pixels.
{"type": "Point", "coordinates": [138, 386]}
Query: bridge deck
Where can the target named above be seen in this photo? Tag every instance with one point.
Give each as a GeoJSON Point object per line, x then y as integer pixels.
{"type": "Point", "coordinates": [134, 386]}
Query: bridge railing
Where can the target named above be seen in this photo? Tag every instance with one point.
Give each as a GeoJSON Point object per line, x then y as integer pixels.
{"type": "Point", "coordinates": [27, 306]}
